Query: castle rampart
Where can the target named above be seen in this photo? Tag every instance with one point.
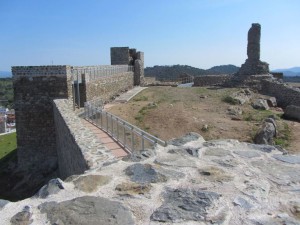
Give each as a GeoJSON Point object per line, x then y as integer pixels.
{"type": "Point", "coordinates": [42, 135]}
{"type": "Point", "coordinates": [77, 147]}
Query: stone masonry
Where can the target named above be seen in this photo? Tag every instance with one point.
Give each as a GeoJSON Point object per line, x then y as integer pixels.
{"type": "Point", "coordinates": [35, 89]}
{"type": "Point", "coordinates": [253, 65]}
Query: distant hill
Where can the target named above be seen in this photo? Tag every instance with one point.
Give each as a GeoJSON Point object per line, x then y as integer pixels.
{"type": "Point", "coordinates": [294, 79]}
{"type": "Point", "coordinates": [224, 69]}
{"type": "Point", "coordinates": [176, 70]}
{"type": "Point", "coordinates": [4, 74]}
{"type": "Point", "coordinates": [291, 72]}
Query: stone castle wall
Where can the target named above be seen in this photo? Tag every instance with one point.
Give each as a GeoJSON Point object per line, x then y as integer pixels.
{"type": "Point", "coordinates": [109, 86]}
{"type": "Point", "coordinates": [35, 87]}
{"type": "Point", "coordinates": [77, 147]}
{"type": "Point", "coordinates": [284, 93]}
{"type": "Point", "coordinates": [211, 80]}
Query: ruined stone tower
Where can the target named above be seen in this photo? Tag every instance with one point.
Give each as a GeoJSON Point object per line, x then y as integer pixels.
{"type": "Point", "coordinates": [253, 65]}
{"type": "Point", "coordinates": [129, 56]}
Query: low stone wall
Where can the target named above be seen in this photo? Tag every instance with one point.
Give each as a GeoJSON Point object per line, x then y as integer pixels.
{"type": "Point", "coordinates": [210, 80]}
{"type": "Point", "coordinates": [109, 86]}
{"type": "Point", "coordinates": [78, 149]}
{"type": "Point", "coordinates": [284, 93]}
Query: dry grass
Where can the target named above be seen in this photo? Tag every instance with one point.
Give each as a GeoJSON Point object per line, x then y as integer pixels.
{"type": "Point", "coordinates": [170, 112]}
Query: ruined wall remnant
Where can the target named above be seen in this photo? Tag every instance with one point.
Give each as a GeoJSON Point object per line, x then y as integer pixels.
{"type": "Point", "coordinates": [129, 56]}
{"type": "Point", "coordinates": [211, 80]}
{"type": "Point", "coordinates": [253, 65]}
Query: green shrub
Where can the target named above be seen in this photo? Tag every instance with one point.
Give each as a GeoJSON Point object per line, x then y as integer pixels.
{"type": "Point", "coordinates": [230, 100]}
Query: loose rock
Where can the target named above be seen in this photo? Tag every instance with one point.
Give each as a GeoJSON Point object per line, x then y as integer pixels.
{"type": "Point", "coordinates": [87, 210]}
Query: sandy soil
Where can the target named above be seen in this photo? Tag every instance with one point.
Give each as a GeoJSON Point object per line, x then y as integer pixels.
{"type": "Point", "coordinates": [170, 112]}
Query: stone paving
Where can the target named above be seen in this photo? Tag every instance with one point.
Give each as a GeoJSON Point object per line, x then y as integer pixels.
{"type": "Point", "coordinates": [117, 150]}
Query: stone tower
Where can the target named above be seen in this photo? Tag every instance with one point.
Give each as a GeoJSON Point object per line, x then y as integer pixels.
{"type": "Point", "coordinates": [253, 65]}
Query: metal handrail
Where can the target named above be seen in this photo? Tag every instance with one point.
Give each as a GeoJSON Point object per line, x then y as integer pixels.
{"type": "Point", "coordinates": [94, 111]}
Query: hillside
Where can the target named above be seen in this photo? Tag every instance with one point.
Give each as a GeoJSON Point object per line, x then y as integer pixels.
{"type": "Point", "coordinates": [291, 72]}
{"type": "Point", "coordinates": [176, 70]}
{"type": "Point", "coordinates": [6, 92]}
{"type": "Point", "coordinates": [5, 74]}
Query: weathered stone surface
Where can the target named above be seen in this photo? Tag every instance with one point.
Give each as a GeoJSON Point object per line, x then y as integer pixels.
{"type": "Point", "coordinates": [184, 204]}
{"type": "Point", "coordinates": [53, 187]}
{"type": "Point", "coordinates": [260, 104]}
{"type": "Point", "coordinates": [138, 156]}
{"type": "Point", "coordinates": [87, 210]}
{"type": "Point", "coordinates": [219, 152]}
{"type": "Point", "coordinates": [192, 151]}
{"type": "Point", "coordinates": [234, 111]}
{"type": "Point", "coordinates": [175, 160]}
{"type": "Point", "coordinates": [262, 147]}
{"type": "Point", "coordinates": [144, 173]}
{"type": "Point", "coordinates": [243, 96]}
{"type": "Point", "coordinates": [23, 217]}
{"type": "Point", "coordinates": [251, 185]}
{"type": "Point", "coordinates": [131, 188]}
{"type": "Point", "coordinates": [187, 138]}
{"type": "Point", "coordinates": [214, 174]}
{"type": "Point", "coordinates": [281, 173]}
{"type": "Point", "coordinates": [242, 203]}
{"type": "Point", "coordinates": [292, 159]}
{"type": "Point", "coordinates": [292, 112]}
{"type": "Point", "coordinates": [247, 154]}
{"type": "Point", "coordinates": [3, 203]}
{"type": "Point", "coordinates": [265, 134]}
{"type": "Point", "coordinates": [91, 183]}
{"type": "Point", "coordinates": [271, 102]}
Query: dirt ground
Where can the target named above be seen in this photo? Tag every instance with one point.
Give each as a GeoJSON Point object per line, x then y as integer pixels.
{"type": "Point", "coordinates": [171, 112]}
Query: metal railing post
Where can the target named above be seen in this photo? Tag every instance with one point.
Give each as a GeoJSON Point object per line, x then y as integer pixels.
{"type": "Point", "coordinates": [143, 144]}
{"type": "Point", "coordinates": [132, 139]}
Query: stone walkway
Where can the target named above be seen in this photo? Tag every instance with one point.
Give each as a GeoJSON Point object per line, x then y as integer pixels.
{"type": "Point", "coordinates": [117, 150]}
{"type": "Point", "coordinates": [125, 97]}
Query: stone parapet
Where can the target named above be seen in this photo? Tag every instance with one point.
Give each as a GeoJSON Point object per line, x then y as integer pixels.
{"type": "Point", "coordinates": [109, 87]}
{"type": "Point", "coordinates": [78, 149]}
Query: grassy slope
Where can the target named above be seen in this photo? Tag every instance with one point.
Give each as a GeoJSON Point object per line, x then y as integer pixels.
{"type": "Point", "coordinates": [8, 143]}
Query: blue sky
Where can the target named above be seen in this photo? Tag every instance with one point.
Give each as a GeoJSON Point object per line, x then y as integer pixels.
{"type": "Point", "coordinates": [200, 33]}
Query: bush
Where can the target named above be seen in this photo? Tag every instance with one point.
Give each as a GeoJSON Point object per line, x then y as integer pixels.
{"type": "Point", "coordinates": [230, 100]}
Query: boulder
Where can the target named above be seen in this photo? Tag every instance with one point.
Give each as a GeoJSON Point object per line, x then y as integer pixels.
{"type": "Point", "coordinates": [260, 104]}
{"type": "Point", "coordinates": [292, 112]}
{"type": "Point", "coordinates": [23, 217]}
{"type": "Point", "coordinates": [272, 102]}
{"type": "Point", "coordinates": [53, 187]}
{"type": "Point", "coordinates": [266, 133]}
{"type": "Point", "coordinates": [242, 96]}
